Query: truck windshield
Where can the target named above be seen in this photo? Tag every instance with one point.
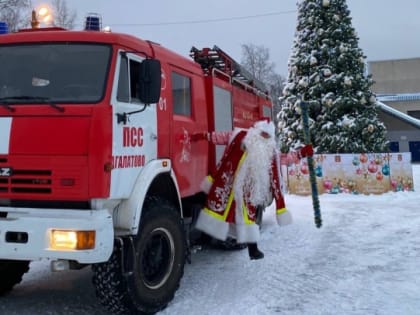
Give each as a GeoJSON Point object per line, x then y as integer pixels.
{"type": "Point", "coordinates": [58, 72]}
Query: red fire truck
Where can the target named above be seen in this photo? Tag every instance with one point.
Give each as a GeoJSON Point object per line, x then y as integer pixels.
{"type": "Point", "coordinates": [97, 166]}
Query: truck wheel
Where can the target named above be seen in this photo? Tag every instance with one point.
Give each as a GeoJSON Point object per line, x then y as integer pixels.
{"type": "Point", "coordinates": [157, 260]}
{"type": "Point", "coordinates": [11, 272]}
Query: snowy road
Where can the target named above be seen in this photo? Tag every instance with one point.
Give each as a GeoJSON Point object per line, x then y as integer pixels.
{"type": "Point", "coordinates": [364, 260]}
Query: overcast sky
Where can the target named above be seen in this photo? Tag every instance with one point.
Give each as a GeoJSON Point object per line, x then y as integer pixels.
{"type": "Point", "coordinates": [387, 29]}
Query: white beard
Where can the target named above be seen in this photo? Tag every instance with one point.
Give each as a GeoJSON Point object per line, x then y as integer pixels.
{"type": "Point", "coordinates": [252, 181]}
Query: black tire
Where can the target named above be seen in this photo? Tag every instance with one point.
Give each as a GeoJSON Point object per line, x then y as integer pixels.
{"type": "Point", "coordinates": [11, 272]}
{"type": "Point", "coordinates": [157, 258]}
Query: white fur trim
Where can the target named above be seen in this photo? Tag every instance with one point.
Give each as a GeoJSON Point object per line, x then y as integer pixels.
{"type": "Point", "coordinates": [232, 230]}
{"type": "Point", "coordinates": [210, 225]}
{"type": "Point", "coordinates": [234, 133]}
{"type": "Point", "coordinates": [265, 126]}
{"type": "Point", "coordinates": [206, 184]}
{"type": "Point", "coordinates": [284, 218]}
{"type": "Point", "coordinates": [247, 233]}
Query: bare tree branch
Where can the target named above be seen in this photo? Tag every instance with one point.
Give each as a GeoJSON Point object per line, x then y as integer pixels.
{"type": "Point", "coordinates": [256, 59]}
{"type": "Point", "coordinates": [63, 16]}
{"type": "Point", "coordinates": [16, 13]}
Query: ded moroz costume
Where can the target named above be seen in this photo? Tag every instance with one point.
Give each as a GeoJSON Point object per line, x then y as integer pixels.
{"type": "Point", "coordinates": [247, 177]}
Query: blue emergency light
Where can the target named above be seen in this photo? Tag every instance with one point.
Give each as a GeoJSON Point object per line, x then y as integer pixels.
{"type": "Point", "coordinates": [93, 22]}
{"type": "Point", "coordinates": [4, 28]}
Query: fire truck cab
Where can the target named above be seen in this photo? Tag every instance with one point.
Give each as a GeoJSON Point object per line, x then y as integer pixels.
{"type": "Point", "coordinates": [97, 165]}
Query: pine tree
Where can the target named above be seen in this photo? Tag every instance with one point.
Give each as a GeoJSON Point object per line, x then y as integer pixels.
{"type": "Point", "coordinates": [327, 70]}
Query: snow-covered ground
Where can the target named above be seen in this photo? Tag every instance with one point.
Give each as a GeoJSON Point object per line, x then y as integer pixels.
{"type": "Point", "coordinates": [364, 260]}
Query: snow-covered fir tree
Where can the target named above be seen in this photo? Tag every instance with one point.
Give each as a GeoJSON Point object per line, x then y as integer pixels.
{"type": "Point", "coordinates": [327, 70]}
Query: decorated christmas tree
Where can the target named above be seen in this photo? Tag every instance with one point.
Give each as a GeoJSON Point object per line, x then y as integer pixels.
{"type": "Point", "coordinates": [327, 71]}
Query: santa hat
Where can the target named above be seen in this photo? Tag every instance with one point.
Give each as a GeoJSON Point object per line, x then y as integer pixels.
{"type": "Point", "coordinates": [266, 126]}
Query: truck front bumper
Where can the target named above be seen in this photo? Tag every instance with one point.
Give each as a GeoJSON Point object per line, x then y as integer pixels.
{"type": "Point", "coordinates": [25, 233]}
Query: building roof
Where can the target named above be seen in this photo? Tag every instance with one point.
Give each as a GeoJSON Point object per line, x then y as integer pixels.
{"type": "Point", "coordinates": [398, 97]}
{"type": "Point", "coordinates": [400, 115]}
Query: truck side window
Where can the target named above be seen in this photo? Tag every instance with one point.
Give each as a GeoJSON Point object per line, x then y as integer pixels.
{"type": "Point", "coordinates": [128, 81]}
{"type": "Point", "coordinates": [123, 88]}
{"type": "Point", "coordinates": [267, 112]}
{"type": "Point", "coordinates": [134, 81]}
{"type": "Point", "coordinates": [181, 94]}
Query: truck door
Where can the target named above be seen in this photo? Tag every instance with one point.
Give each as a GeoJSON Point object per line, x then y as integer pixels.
{"type": "Point", "coordinates": [189, 158]}
{"type": "Point", "coordinates": [134, 138]}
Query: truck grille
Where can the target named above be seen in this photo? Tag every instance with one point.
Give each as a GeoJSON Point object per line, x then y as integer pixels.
{"type": "Point", "coordinates": [27, 182]}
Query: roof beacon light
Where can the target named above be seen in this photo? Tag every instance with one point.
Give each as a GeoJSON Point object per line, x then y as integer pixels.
{"type": "Point", "coordinates": [93, 22]}
{"type": "Point", "coordinates": [4, 28]}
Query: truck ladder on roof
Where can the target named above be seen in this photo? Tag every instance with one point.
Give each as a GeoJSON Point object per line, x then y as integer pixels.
{"type": "Point", "coordinates": [216, 58]}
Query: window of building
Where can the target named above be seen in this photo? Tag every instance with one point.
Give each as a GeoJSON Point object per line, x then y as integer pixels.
{"type": "Point", "coordinates": [181, 94]}
{"type": "Point", "coordinates": [414, 113]}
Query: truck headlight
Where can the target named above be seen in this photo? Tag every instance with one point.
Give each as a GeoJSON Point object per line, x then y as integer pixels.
{"type": "Point", "coordinates": [72, 240]}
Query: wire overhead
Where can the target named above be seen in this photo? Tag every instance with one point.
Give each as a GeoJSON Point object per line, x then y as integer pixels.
{"type": "Point", "coordinates": [207, 20]}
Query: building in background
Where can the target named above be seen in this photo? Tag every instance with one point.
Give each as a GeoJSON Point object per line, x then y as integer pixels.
{"type": "Point", "coordinates": [397, 86]}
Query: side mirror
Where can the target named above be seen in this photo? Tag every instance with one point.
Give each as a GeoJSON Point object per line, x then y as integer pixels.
{"type": "Point", "coordinates": [150, 81]}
